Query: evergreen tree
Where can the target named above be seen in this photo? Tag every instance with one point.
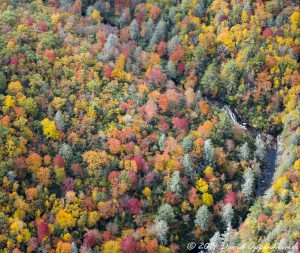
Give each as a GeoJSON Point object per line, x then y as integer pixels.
{"type": "Point", "coordinates": [208, 153]}
{"type": "Point", "coordinates": [175, 183]}
{"type": "Point", "coordinates": [201, 57]}
{"type": "Point", "coordinates": [215, 242]}
{"type": "Point", "coordinates": [134, 30]}
{"type": "Point", "coordinates": [226, 125]}
{"type": "Point", "coordinates": [3, 84]}
{"type": "Point", "coordinates": [248, 185]}
{"type": "Point", "coordinates": [228, 214]}
{"type": "Point", "coordinates": [244, 152]}
{"type": "Point", "coordinates": [260, 152]}
{"type": "Point", "coordinates": [172, 43]}
{"type": "Point", "coordinates": [203, 217]}
{"type": "Point", "coordinates": [162, 229]}
{"type": "Point", "coordinates": [161, 142]}
{"type": "Point", "coordinates": [189, 171]}
{"type": "Point", "coordinates": [171, 69]}
{"type": "Point", "coordinates": [59, 120]}
{"type": "Point", "coordinates": [109, 50]}
{"type": "Point", "coordinates": [66, 4]}
{"type": "Point", "coordinates": [159, 33]}
{"type": "Point", "coordinates": [230, 74]}
{"type": "Point", "coordinates": [11, 176]}
{"type": "Point", "coordinates": [166, 213]}
{"type": "Point", "coordinates": [187, 143]}
{"type": "Point", "coordinates": [200, 8]}
{"type": "Point", "coordinates": [149, 29]}
{"type": "Point", "coordinates": [211, 82]}
{"type": "Point", "coordinates": [74, 248]}
{"type": "Point", "coordinates": [65, 151]}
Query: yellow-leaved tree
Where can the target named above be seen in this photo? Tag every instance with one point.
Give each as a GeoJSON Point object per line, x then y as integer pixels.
{"type": "Point", "coordinates": [49, 129]}
{"type": "Point", "coordinates": [112, 247]}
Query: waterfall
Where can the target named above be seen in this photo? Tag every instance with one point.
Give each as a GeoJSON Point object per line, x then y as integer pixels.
{"type": "Point", "coordinates": [233, 117]}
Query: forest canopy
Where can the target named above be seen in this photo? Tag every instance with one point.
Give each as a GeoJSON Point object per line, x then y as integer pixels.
{"type": "Point", "coordinates": [113, 132]}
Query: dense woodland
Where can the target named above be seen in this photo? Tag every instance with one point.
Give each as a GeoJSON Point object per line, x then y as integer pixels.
{"type": "Point", "coordinates": [110, 141]}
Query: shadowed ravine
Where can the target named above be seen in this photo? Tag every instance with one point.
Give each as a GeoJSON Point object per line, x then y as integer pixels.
{"type": "Point", "coordinates": [264, 181]}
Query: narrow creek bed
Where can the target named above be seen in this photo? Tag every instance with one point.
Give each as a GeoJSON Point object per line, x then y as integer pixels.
{"type": "Point", "coordinates": [265, 179]}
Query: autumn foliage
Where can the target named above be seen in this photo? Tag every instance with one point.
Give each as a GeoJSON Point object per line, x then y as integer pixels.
{"type": "Point", "coordinates": [114, 135]}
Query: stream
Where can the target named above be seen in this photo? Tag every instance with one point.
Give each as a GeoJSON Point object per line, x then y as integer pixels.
{"type": "Point", "coordinates": [264, 180]}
